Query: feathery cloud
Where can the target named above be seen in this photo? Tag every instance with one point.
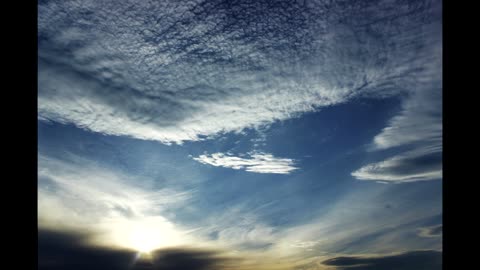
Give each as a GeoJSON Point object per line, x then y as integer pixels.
{"type": "Point", "coordinates": [78, 196]}
{"type": "Point", "coordinates": [256, 162]}
{"type": "Point", "coordinates": [418, 127]}
{"type": "Point", "coordinates": [406, 167]}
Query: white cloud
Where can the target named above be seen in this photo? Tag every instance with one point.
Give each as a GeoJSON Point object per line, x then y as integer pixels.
{"type": "Point", "coordinates": [178, 72]}
{"type": "Point", "coordinates": [359, 222]}
{"type": "Point", "coordinates": [158, 71]}
{"type": "Point", "coordinates": [77, 195]}
{"type": "Point", "coordinates": [419, 122]}
{"type": "Point", "coordinates": [406, 167]}
{"type": "Point", "coordinates": [418, 127]}
{"type": "Point", "coordinates": [254, 162]}
{"type": "Point", "coordinates": [239, 227]}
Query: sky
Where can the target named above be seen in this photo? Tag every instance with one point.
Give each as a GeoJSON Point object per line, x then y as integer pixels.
{"type": "Point", "coordinates": [241, 135]}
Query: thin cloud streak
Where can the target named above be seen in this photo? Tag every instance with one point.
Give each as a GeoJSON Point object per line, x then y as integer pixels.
{"type": "Point", "coordinates": [431, 231]}
{"type": "Point", "coordinates": [256, 162]}
{"type": "Point", "coordinates": [406, 167]}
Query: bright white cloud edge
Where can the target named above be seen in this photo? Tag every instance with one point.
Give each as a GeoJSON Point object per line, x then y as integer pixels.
{"type": "Point", "coordinates": [254, 162]}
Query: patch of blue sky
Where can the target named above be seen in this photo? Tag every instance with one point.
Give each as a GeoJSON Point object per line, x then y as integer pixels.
{"type": "Point", "coordinates": [326, 146]}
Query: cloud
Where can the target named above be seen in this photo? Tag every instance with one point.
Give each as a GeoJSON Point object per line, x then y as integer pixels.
{"type": "Point", "coordinates": [175, 72]}
{"type": "Point", "coordinates": [238, 227]}
{"type": "Point", "coordinates": [406, 167]}
{"type": "Point", "coordinates": [76, 195]}
{"type": "Point", "coordinates": [185, 71]}
{"type": "Point", "coordinates": [191, 259]}
{"type": "Point", "coordinates": [358, 222]}
{"type": "Point", "coordinates": [110, 210]}
{"type": "Point", "coordinates": [65, 251]}
{"type": "Point", "coordinates": [426, 259]}
{"type": "Point", "coordinates": [107, 208]}
{"type": "Point", "coordinates": [432, 231]}
{"type": "Point", "coordinates": [255, 162]}
{"type": "Point", "coordinates": [418, 127]}
{"type": "Point", "coordinates": [420, 122]}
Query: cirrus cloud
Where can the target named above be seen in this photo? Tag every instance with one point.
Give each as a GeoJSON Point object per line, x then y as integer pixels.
{"type": "Point", "coordinates": [406, 167]}
{"type": "Point", "coordinates": [255, 162]}
{"type": "Point", "coordinates": [418, 126]}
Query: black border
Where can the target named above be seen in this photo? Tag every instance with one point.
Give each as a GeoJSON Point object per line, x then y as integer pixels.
{"type": "Point", "coordinates": [19, 128]}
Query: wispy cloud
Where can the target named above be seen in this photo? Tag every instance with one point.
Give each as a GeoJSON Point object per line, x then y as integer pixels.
{"type": "Point", "coordinates": [359, 222]}
{"type": "Point", "coordinates": [184, 71]}
{"type": "Point", "coordinates": [77, 195]}
{"type": "Point", "coordinates": [240, 228]}
{"type": "Point", "coordinates": [420, 122]}
{"type": "Point", "coordinates": [257, 162]}
{"type": "Point", "coordinates": [406, 167]}
{"type": "Point", "coordinates": [431, 231]}
{"type": "Point", "coordinates": [179, 72]}
{"type": "Point", "coordinates": [418, 127]}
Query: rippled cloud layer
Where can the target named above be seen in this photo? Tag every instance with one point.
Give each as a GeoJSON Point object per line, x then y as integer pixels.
{"type": "Point", "coordinates": [174, 71]}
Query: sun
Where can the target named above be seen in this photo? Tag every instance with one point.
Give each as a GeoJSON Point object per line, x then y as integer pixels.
{"type": "Point", "coordinates": [144, 234]}
{"type": "Point", "coordinates": [145, 238]}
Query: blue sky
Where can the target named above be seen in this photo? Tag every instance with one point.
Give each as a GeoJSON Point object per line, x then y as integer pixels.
{"type": "Point", "coordinates": [286, 135]}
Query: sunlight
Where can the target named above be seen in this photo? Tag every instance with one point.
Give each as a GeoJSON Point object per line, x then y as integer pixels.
{"type": "Point", "coordinates": [144, 239]}
{"type": "Point", "coordinates": [145, 234]}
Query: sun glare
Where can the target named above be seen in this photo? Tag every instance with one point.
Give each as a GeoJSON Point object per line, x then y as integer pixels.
{"type": "Point", "coordinates": [146, 234]}
{"type": "Point", "coordinates": [145, 239]}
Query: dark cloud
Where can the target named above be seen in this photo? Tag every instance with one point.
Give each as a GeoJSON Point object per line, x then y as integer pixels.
{"type": "Point", "coordinates": [177, 259]}
{"type": "Point", "coordinates": [421, 260]}
{"type": "Point", "coordinates": [66, 251]}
